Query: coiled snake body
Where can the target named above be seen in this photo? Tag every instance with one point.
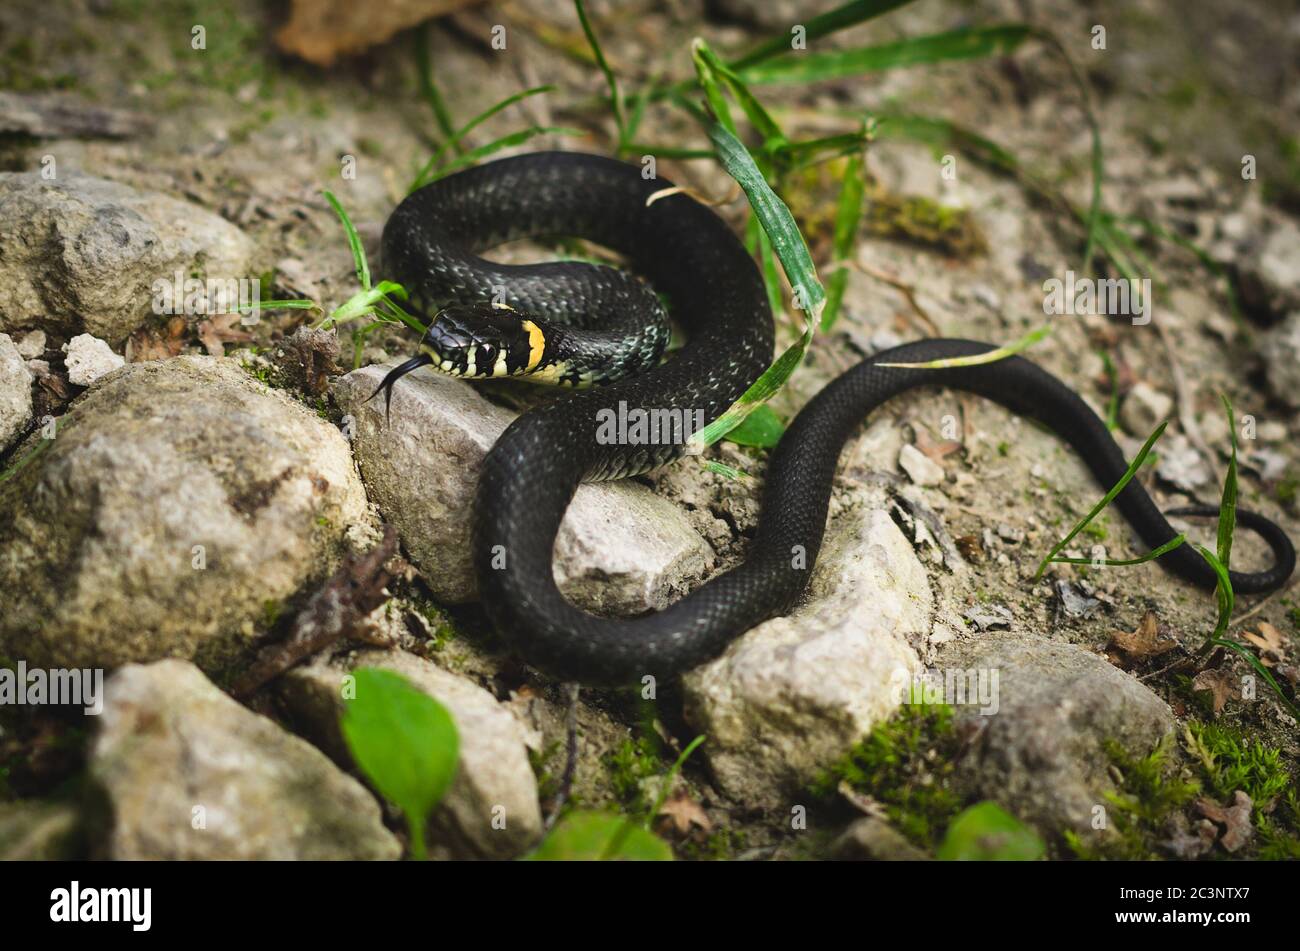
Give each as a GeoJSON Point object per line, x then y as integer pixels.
{"type": "Point", "coordinates": [593, 326]}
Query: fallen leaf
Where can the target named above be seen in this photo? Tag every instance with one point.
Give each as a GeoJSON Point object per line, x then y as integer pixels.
{"type": "Point", "coordinates": [861, 801]}
{"type": "Point", "coordinates": [1147, 641]}
{"type": "Point", "coordinates": [322, 30]}
{"type": "Point", "coordinates": [1221, 682]}
{"type": "Point", "coordinates": [150, 343]}
{"type": "Point", "coordinates": [683, 814]}
{"type": "Point", "coordinates": [1235, 819]}
{"type": "Point", "coordinates": [933, 449]}
{"type": "Point", "coordinates": [1271, 644]}
{"type": "Point", "coordinates": [221, 329]}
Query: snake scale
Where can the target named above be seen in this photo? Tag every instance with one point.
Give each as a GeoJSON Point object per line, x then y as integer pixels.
{"type": "Point", "coordinates": [601, 331]}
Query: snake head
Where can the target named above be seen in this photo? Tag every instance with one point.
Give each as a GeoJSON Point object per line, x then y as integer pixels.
{"type": "Point", "coordinates": [482, 340]}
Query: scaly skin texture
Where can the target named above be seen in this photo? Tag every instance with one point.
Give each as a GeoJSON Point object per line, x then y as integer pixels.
{"type": "Point", "coordinates": [717, 294]}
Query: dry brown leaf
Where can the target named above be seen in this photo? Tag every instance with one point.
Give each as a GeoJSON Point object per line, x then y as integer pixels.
{"type": "Point", "coordinates": [932, 449]}
{"type": "Point", "coordinates": [1271, 643]}
{"type": "Point", "coordinates": [1235, 819]}
{"type": "Point", "coordinates": [1221, 682]}
{"type": "Point", "coordinates": [152, 344]}
{"type": "Point", "coordinates": [1147, 641]}
{"type": "Point", "coordinates": [683, 814]}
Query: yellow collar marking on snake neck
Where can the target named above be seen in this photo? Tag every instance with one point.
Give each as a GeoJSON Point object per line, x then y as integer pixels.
{"type": "Point", "coordinates": [536, 345]}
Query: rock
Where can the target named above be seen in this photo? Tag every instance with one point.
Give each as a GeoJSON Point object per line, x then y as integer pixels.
{"type": "Point", "coordinates": [1181, 464]}
{"type": "Point", "coordinates": [1144, 409]}
{"type": "Point", "coordinates": [322, 30]}
{"type": "Point", "coordinates": [81, 254]}
{"type": "Point", "coordinates": [38, 831]}
{"type": "Point", "coordinates": [1280, 348]}
{"type": "Point", "coordinates": [987, 617]}
{"type": "Point", "coordinates": [621, 550]}
{"type": "Point", "coordinates": [872, 839]}
{"type": "Point", "coordinates": [493, 779]}
{"type": "Point", "coordinates": [191, 774]}
{"type": "Point", "coordinates": [15, 393]}
{"type": "Point", "coordinates": [179, 504]}
{"type": "Point", "coordinates": [32, 345]}
{"type": "Point", "coordinates": [791, 695]}
{"type": "Point", "coordinates": [1040, 755]}
{"type": "Point", "coordinates": [88, 358]}
{"type": "Point", "coordinates": [1268, 273]}
{"type": "Point", "coordinates": [920, 468]}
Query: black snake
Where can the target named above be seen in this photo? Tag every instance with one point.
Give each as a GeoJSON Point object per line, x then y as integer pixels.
{"type": "Point", "coordinates": [581, 324]}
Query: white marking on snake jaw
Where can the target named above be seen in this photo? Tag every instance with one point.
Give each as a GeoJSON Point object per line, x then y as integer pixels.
{"type": "Point", "coordinates": [471, 356]}
{"type": "Point", "coordinates": [501, 369]}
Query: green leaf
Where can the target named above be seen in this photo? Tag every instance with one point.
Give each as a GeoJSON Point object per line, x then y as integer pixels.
{"type": "Point", "coordinates": [761, 428]}
{"type": "Point", "coordinates": [938, 47]}
{"type": "Point", "coordinates": [1106, 500]}
{"type": "Point", "coordinates": [1228, 502]}
{"type": "Point", "coordinates": [848, 214]}
{"type": "Point", "coordinates": [992, 356]}
{"type": "Point", "coordinates": [458, 137]}
{"type": "Point", "coordinates": [404, 741]}
{"type": "Point", "coordinates": [615, 99]}
{"type": "Point", "coordinates": [599, 836]}
{"type": "Point", "coordinates": [986, 832]}
{"type": "Point", "coordinates": [842, 17]}
{"type": "Point", "coordinates": [354, 242]}
{"type": "Point", "coordinates": [792, 251]}
{"type": "Point", "coordinates": [505, 142]}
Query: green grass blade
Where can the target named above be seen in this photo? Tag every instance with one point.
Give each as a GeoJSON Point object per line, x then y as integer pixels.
{"type": "Point", "coordinates": [1228, 502]}
{"type": "Point", "coordinates": [943, 136]}
{"type": "Point", "coordinates": [792, 251]}
{"type": "Point", "coordinates": [615, 98]}
{"type": "Point", "coordinates": [455, 140]}
{"type": "Point", "coordinates": [428, 88]}
{"type": "Point", "coordinates": [832, 21]}
{"type": "Point", "coordinates": [993, 356]}
{"type": "Point", "coordinates": [1125, 562]}
{"type": "Point", "coordinates": [971, 43]}
{"type": "Point", "coordinates": [505, 142]}
{"type": "Point", "coordinates": [848, 215]}
{"type": "Point", "coordinates": [1106, 500]}
{"type": "Point", "coordinates": [758, 116]}
{"type": "Point", "coordinates": [354, 242]}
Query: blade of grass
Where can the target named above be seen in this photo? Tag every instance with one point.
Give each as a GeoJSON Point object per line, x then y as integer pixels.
{"type": "Point", "coordinates": [992, 356]}
{"type": "Point", "coordinates": [455, 140]}
{"type": "Point", "coordinates": [848, 215]}
{"type": "Point", "coordinates": [354, 242]}
{"type": "Point", "coordinates": [505, 142]}
{"type": "Point", "coordinates": [428, 88]}
{"type": "Point", "coordinates": [615, 98]}
{"type": "Point", "coordinates": [968, 43]}
{"type": "Point", "coordinates": [1106, 500]}
{"type": "Point", "coordinates": [832, 21]}
{"type": "Point", "coordinates": [1124, 562]}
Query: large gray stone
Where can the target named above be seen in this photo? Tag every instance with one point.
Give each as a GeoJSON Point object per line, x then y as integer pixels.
{"type": "Point", "coordinates": [15, 393]}
{"type": "Point", "coordinates": [180, 502]}
{"type": "Point", "coordinates": [1041, 754]}
{"type": "Point", "coordinates": [788, 697]}
{"type": "Point", "coordinates": [621, 550]}
{"type": "Point", "coordinates": [491, 809]}
{"type": "Point", "coordinates": [191, 774]}
{"type": "Point", "coordinates": [81, 254]}
{"type": "Point", "coordinates": [1280, 348]}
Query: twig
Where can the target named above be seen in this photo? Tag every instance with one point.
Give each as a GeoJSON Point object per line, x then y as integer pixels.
{"type": "Point", "coordinates": [909, 292]}
{"type": "Point", "coordinates": [333, 613]}
{"type": "Point", "coordinates": [1263, 604]}
{"type": "Point", "coordinates": [571, 755]}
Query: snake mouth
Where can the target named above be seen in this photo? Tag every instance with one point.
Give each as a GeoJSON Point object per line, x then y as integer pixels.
{"type": "Point", "coordinates": [395, 374]}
